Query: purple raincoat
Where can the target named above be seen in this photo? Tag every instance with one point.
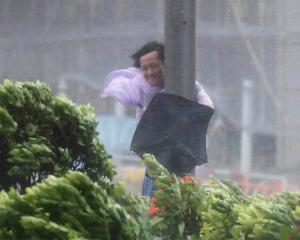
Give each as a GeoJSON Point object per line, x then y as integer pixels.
{"type": "Point", "coordinates": [129, 87]}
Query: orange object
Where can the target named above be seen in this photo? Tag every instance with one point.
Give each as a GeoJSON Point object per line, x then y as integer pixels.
{"type": "Point", "coordinates": [153, 209]}
{"type": "Point", "coordinates": [188, 179]}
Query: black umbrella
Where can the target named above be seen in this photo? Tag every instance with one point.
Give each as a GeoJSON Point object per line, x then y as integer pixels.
{"type": "Point", "coordinates": [173, 129]}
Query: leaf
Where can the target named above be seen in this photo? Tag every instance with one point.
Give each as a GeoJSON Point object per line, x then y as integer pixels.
{"type": "Point", "coordinates": [7, 124]}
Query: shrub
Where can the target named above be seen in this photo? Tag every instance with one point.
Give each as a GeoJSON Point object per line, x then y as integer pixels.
{"type": "Point", "coordinates": [184, 208]}
{"type": "Point", "coordinates": [42, 134]}
{"type": "Point", "coordinates": [68, 207]}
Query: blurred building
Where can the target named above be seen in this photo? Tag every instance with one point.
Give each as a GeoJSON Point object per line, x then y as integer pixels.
{"type": "Point", "coordinates": [255, 41]}
{"type": "Point", "coordinates": [71, 45]}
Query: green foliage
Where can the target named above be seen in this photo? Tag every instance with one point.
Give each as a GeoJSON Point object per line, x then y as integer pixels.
{"type": "Point", "coordinates": [41, 134]}
{"type": "Point", "coordinates": [69, 207]}
{"type": "Point", "coordinates": [178, 203]}
{"type": "Point", "coordinates": [75, 207]}
{"type": "Point", "coordinates": [218, 210]}
{"type": "Point", "coordinates": [263, 218]}
{"type": "Point", "coordinates": [137, 207]}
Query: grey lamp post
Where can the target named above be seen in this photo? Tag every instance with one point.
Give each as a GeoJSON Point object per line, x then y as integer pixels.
{"type": "Point", "coordinates": [180, 47]}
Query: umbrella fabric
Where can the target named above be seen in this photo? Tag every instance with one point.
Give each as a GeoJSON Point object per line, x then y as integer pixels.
{"type": "Point", "coordinates": [173, 129]}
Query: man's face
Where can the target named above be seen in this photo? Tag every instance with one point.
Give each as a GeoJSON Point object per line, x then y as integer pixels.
{"type": "Point", "coordinates": [152, 69]}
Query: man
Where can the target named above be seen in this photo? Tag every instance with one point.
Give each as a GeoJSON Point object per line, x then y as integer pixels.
{"type": "Point", "coordinates": [150, 59]}
{"type": "Point", "coordinates": [135, 87]}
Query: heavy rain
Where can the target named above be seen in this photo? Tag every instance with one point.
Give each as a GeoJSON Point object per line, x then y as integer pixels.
{"type": "Point", "coordinates": [245, 54]}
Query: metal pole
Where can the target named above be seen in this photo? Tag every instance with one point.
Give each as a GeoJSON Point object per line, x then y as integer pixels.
{"type": "Point", "coordinates": [246, 134]}
{"type": "Point", "coordinates": [180, 47]}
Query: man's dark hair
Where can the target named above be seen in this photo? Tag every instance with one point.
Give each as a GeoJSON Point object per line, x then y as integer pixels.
{"type": "Point", "coordinates": [147, 48]}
